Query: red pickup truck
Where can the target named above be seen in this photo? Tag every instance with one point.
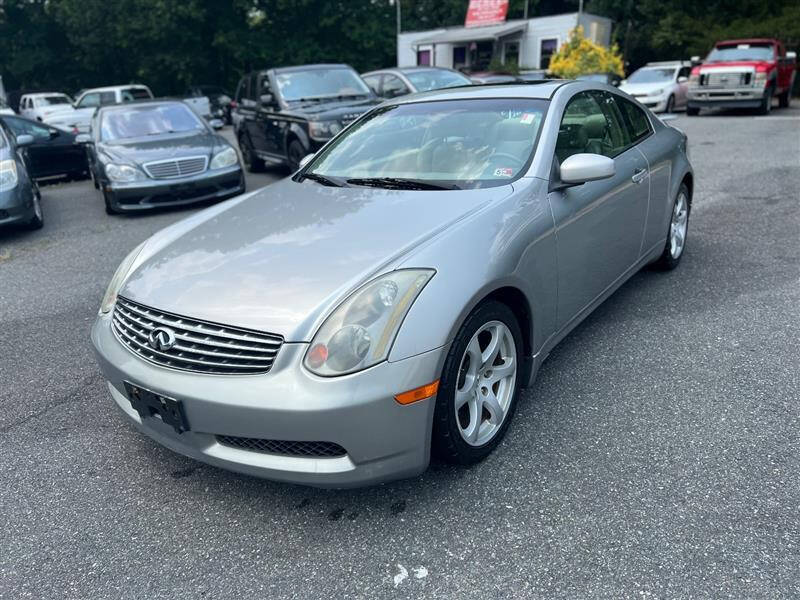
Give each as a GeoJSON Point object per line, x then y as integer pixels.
{"type": "Point", "coordinates": [742, 74]}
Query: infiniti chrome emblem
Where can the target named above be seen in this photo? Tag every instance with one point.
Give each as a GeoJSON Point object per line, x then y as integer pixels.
{"type": "Point", "coordinates": [161, 338]}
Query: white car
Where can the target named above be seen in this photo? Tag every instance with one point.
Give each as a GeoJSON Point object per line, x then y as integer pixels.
{"type": "Point", "coordinates": [4, 109]}
{"type": "Point", "coordinates": [43, 105]}
{"type": "Point", "coordinates": [660, 86]}
{"type": "Point", "coordinates": [89, 100]}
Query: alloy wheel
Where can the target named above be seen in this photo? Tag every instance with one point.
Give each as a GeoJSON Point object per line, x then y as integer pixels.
{"type": "Point", "coordinates": [486, 383]}
{"type": "Point", "coordinates": [678, 226]}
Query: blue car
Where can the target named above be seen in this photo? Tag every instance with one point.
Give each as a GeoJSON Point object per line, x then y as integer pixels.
{"type": "Point", "coordinates": [20, 200]}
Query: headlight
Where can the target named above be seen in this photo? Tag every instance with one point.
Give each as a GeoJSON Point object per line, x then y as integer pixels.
{"type": "Point", "coordinates": [8, 175]}
{"type": "Point", "coordinates": [323, 130]}
{"type": "Point", "coordinates": [225, 158]}
{"type": "Point", "coordinates": [118, 279]}
{"type": "Point", "coordinates": [657, 92]}
{"type": "Point", "coordinates": [123, 173]}
{"type": "Point", "coordinates": [361, 331]}
{"type": "Point", "coordinates": [760, 79]}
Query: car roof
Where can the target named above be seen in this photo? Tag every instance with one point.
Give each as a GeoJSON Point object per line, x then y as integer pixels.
{"type": "Point", "coordinates": [113, 88]}
{"type": "Point", "coordinates": [142, 102]}
{"type": "Point", "coordinates": [416, 69]}
{"type": "Point", "coordinates": [42, 94]}
{"type": "Point", "coordinates": [542, 89]}
{"type": "Point", "coordinates": [747, 41]}
{"type": "Point", "coordinates": [309, 67]}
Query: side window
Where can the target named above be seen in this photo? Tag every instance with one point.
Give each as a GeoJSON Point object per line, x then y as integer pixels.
{"type": "Point", "coordinates": [89, 100]}
{"type": "Point", "coordinates": [638, 123]}
{"type": "Point", "coordinates": [685, 72]}
{"type": "Point", "coordinates": [21, 127]}
{"type": "Point", "coordinates": [107, 98]}
{"type": "Point", "coordinates": [591, 124]}
{"type": "Point", "coordinates": [393, 87]}
{"type": "Point", "coordinates": [373, 81]}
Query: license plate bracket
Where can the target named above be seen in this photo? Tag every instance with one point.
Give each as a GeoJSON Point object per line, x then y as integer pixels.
{"type": "Point", "coordinates": [152, 405]}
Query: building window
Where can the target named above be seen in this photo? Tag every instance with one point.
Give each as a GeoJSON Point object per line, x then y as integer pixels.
{"type": "Point", "coordinates": [547, 47]}
{"type": "Point", "coordinates": [424, 57]}
{"type": "Point", "coordinates": [511, 53]}
{"type": "Point", "coordinates": [459, 57]}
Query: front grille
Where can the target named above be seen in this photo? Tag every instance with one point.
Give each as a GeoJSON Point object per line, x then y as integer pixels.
{"type": "Point", "coordinates": [199, 346]}
{"type": "Point", "coordinates": [725, 80]}
{"type": "Point", "coordinates": [283, 447]}
{"type": "Point", "coordinates": [181, 167]}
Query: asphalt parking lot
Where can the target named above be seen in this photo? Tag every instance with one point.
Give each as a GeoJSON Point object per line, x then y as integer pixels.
{"type": "Point", "coordinates": [657, 455]}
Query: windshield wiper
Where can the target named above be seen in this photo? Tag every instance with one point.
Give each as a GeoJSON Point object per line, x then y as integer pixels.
{"type": "Point", "coordinates": [396, 183]}
{"type": "Point", "coordinates": [323, 179]}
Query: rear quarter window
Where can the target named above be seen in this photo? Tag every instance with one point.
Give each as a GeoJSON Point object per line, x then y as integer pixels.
{"type": "Point", "coordinates": [638, 123]}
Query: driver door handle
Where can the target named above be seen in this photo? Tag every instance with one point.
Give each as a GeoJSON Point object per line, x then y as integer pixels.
{"type": "Point", "coordinates": [638, 176]}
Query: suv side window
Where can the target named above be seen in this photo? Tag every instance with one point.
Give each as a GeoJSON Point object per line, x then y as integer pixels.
{"type": "Point", "coordinates": [108, 98]}
{"type": "Point", "coordinates": [373, 81]}
{"type": "Point", "coordinates": [638, 123]}
{"type": "Point", "coordinates": [591, 124]}
{"type": "Point", "coordinates": [89, 100]}
{"type": "Point", "coordinates": [393, 86]}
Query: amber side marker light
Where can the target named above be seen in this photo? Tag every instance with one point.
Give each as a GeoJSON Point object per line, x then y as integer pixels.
{"type": "Point", "coordinates": [417, 394]}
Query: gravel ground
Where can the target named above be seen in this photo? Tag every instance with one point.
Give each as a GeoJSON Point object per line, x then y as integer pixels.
{"type": "Point", "coordinates": [657, 454]}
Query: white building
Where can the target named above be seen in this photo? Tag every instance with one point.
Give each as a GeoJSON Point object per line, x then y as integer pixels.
{"type": "Point", "coordinates": [530, 42]}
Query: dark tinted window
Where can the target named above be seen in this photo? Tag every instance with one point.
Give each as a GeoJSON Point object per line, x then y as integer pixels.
{"type": "Point", "coordinates": [25, 127]}
{"type": "Point", "coordinates": [637, 121]}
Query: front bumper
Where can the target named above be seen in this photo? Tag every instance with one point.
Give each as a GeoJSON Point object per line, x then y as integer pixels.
{"type": "Point", "coordinates": [16, 205]}
{"type": "Point", "coordinates": [747, 97]}
{"type": "Point", "coordinates": [383, 440]}
{"type": "Point", "coordinates": [152, 193]}
{"type": "Point", "coordinates": [656, 104]}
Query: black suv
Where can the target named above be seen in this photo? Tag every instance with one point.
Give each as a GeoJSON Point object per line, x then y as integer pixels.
{"type": "Point", "coordinates": [281, 115]}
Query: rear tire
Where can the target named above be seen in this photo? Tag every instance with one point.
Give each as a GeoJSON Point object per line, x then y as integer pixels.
{"type": "Point", "coordinates": [692, 111]}
{"type": "Point", "coordinates": [677, 233]}
{"type": "Point", "coordinates": [479, 387]}
{"type": "Point", "coordinates": [251, 162]}
{"type": "Point", "coordinates": [785, 99]}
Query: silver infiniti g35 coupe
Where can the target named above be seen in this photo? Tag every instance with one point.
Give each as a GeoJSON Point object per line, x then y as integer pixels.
{"type": "Point", "coordinates": [392, 298]}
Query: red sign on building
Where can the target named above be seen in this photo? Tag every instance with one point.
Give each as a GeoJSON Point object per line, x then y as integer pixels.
{"type": "Point", "coordinates": [486, 12]}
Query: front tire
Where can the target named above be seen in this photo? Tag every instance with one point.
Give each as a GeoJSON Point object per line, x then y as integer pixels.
{"type": "Point", "coordinates": [677, 232]}
{"type": "Point", "coordinates": [295, 152]}
{"type": "Point", "coordinates": [251, 162]}
{"type": "Point", "coordinates": [479, 387]}
{"type": "Point", "coordinates": [110, 209]}
{"type": "Point", "coordinates": [785, 99]}
{"type": "Point", "coordinates": [670, 105]}
{"type": "Point", "coordinates": [766, 103]}
{"type": "Point", "coordinates": [37, 220]}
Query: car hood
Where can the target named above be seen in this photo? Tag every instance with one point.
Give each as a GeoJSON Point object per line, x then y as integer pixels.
{"type": "Point", "coordinates": [162, 147]}
{"type": "Point", "coordinates": [644, 88]}
{"type": "Point", "coordinates": [278, 259]}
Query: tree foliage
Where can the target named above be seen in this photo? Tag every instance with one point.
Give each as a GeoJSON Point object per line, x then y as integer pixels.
{"type": "Point", "coordinates": [169, 44]}
{"type": "Point", "coordinates": [580, 56]}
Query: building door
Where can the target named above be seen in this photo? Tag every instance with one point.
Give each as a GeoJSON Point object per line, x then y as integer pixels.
{"type": "Point", "coordinates": [547, 47]}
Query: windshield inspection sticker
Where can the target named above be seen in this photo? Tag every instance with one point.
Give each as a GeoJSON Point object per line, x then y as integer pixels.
{"type": "Point", "coordinates": [527, 118]}
{"type": "Point", "coordinates": [504, 172]}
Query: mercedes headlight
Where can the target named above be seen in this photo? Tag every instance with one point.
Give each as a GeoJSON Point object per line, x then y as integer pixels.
{"type": "Point", "coordinates": [225, 158]}
{"type": "Point", "coordinates": [8, 175]}
{"type": "Point", "coordinates": [323, 130]}
{"type": "Point", "coordinates": [123, 173]}
{"type": "Point", "coordinates": [361, 331]}
{"type": "Point", "coordinates": [118, 279]}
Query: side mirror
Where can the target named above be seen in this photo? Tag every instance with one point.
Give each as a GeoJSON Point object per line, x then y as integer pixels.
{"type": "Point", "coordinates": [683, 79]}
{"type": "Point", "coordinates": [305, 160]}
{"type": "Point", "coordinates": [216, 123]}
{"type": "Point", "coordinates": [24, 140]}
{"type": "Point", "coordinates": [695, 60]}
{"type": "Point", "coordinates": [791, 55]}
{"type": "Point", "coordinates": [580, 168]}
{"type": "Point", "coordinates": [83, 138]}
{"type": "Point", "coordinates": [266, 98]}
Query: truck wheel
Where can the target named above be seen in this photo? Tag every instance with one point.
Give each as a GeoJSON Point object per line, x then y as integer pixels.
{"type": "Point", "coordinates": [785, 99]}
{"type": "Point", "coordinates": [692, 111]}
{"type": "Point", "coordinates": [766, 103]}
{"type": "Point", "coordinates": [251, 161]}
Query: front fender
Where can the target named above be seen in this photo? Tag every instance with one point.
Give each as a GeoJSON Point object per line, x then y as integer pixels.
{"type": "Point", "coordinates": [507, 244]}
{"type": "Point", "coordinates": [300, 133]}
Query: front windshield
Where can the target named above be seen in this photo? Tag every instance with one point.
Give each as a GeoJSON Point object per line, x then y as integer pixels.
{"type": "Point", "coordinates": [50, 100]}
{"type": "Point", "coordinates": [320, 83]}
{"type": "Point", "coordinates": [456, 143]}
{"type": "Point", "coordinates": [741, 52]}
{"type": "Point", "coordinates": [142, 121]}
{"type": "Point", "coordinates": [435, 79]}
{"type": "Point", "coordinates": [652, 76]}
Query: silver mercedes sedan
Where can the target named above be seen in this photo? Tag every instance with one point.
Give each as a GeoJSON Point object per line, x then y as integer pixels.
{"type": "Point", "coordinates": [390, 300]}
